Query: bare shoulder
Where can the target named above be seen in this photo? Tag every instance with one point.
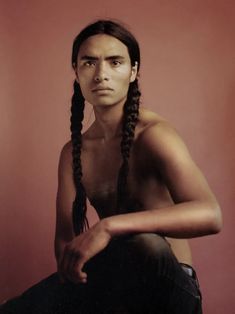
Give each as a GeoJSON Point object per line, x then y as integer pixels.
{"type": "Point", "coordinates": [66, 151]}
{"type": "Point", "coordinates": [148, 118]}
{"type": "Point", "coordinates": [163, 151]}
{"type": "Point", "coordinates": [66, 156]}
{"type": "Point", "coordinates": [157, 136]}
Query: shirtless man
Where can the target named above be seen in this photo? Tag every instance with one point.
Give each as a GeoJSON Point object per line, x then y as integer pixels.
{"type": "Point", "coordinates": [160, 200]}
{"type": "Point", "coordinates": [167, 193]}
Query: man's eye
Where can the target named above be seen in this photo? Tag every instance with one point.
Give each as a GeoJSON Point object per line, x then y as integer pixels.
{"type": "Point", "coordinates": [89, 63]}
{"type": "Point", "coordinates": [116, 62]}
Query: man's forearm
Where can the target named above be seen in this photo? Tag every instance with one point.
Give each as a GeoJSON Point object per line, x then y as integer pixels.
{"type": "Point", "coordinates": [59, 246]}
{"type": "Point", "coordinates": [184, 220]}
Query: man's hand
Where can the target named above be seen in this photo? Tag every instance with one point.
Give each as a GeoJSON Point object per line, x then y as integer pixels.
{"type": "Point", "coordinates": [80, 250]}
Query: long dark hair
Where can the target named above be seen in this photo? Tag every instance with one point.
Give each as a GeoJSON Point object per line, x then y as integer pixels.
{"type": "Point", "coordinates": [130, 118]}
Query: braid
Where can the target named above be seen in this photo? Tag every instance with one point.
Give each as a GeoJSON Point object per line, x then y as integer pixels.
{"type": "Point", "coordinates": [80, 222]}
{"type": "Point", "coordinates": [130, 119]}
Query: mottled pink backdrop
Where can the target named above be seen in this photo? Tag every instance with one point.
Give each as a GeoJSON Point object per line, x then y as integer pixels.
{"type": "Point", "coordinates": [187, 75]}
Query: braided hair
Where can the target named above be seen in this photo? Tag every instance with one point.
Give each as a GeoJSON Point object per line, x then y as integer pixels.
{"type": "Point", "coordinates": [130, 119]}
{"type": "Point", "coordinates": [80, 221]}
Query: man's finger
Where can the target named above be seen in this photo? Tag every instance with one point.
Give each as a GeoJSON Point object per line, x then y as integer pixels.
{"type": "Point", "coordinates": [81, 275]}
{"type": "Point", "coordinates": [71, 273]}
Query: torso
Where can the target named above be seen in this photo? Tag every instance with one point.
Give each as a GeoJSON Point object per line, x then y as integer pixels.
{"type": "Point", "coordinates": [146, 187]}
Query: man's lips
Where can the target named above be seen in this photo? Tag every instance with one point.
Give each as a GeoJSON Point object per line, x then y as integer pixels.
{"type": "Point", "coordinates": [102, 89]}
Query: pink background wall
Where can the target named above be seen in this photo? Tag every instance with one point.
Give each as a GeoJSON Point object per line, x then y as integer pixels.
{"type": "Point", "coordinates": [187, 75]}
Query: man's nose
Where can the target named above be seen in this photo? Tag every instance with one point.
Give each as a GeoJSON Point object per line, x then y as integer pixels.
{"type": "Point", "coordinates": [101, 73]}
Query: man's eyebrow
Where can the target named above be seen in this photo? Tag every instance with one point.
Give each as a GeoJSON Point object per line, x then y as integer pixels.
{"type": "Point", "coordinates": [88, 58]}
{"type": "Point", "coordinates": [114, 57]}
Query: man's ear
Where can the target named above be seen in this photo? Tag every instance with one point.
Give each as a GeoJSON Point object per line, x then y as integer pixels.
{"type": "Point", "coordinates": [76, 72]}
{"type": "Point", "coordinates": [134, 71]}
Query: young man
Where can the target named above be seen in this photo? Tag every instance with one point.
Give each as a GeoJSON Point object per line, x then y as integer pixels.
{"type": "Point", "coordinates": [139, 176]}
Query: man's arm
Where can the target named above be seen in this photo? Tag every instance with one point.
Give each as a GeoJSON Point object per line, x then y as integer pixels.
{"type": "Point", "coordinates": [73, 252]}
{"type": "Point", "coordinates": [195, 212]}
{"type": "Point", "coordinates": [65, 196]}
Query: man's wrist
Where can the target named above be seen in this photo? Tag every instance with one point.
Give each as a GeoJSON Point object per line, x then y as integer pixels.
{"type": "Point", "coordinates": [108, 226]}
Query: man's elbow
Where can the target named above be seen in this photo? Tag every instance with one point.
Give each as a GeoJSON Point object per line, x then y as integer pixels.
{"type": "Point", "coordinates": [215, 219]}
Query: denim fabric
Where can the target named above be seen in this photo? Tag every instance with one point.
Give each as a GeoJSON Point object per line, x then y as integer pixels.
{"type": "Point", "coordinates": [135, 274]}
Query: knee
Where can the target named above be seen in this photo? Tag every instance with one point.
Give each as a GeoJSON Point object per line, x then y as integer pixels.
{"type": "Point", "coordinates": [149, 245]}
{"type": "Point", "coordinates": [151, 256]}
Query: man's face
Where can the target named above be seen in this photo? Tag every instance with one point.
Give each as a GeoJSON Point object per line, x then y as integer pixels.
{"type": "Point", "coordinates": [104, 70]}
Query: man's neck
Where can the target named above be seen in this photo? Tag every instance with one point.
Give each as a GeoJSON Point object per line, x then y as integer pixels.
{"type": "Point", "coordinates": [108, 121]}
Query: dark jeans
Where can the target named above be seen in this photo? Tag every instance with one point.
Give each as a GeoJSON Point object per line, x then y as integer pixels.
{"type": "Point", "coordinates": [136, 274]}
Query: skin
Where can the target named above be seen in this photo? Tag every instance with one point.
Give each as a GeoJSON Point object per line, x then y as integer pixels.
{"type": "Point", "coordinates": [168, 194]}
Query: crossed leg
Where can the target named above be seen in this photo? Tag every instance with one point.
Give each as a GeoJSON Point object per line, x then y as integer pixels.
{"type": "Point", "coordinates": [135, 274]}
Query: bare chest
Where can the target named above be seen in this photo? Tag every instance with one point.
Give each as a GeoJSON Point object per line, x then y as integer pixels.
{"type": "Point", "coordinates": [100, 174]}
{"type": "Point", "coordinates": [100, 167]}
